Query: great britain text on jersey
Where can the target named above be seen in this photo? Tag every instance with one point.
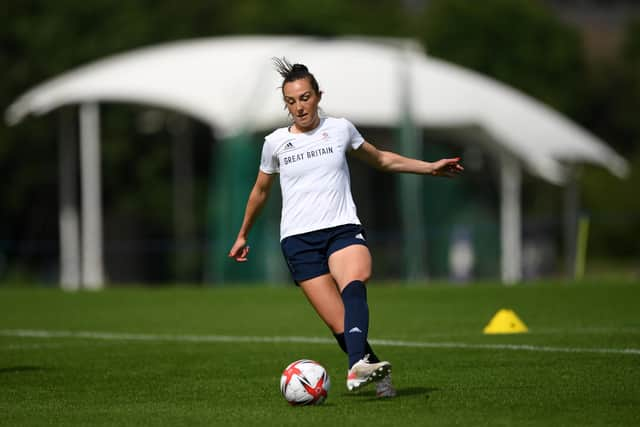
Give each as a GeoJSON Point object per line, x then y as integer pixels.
{"type": "Point", "coordinates": [308, 155]}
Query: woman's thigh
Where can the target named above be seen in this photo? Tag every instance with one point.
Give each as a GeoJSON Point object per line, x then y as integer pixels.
{"type": "Point", "coordinates": [323, 295]}
{"type": "Point", "coordinates": [349, 264]}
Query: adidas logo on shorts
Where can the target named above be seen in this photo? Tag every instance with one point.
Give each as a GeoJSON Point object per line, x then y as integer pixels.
{"type": "Point", "coordinates": [360, 236]}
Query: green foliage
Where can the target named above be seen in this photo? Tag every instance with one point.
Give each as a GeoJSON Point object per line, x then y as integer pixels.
{"type": "Point", "coordinates": [518, 42]}
{"type": "Point", "coordinates": [324, 18]}
{"type": "Point", "coordinates": [615, 95]}
{"type": "Point", "coordinates": [631, 44]}
{"type": "Point", "coordinates": [614, 207]}
{"type": "Point", "coordinates": [612, 113]}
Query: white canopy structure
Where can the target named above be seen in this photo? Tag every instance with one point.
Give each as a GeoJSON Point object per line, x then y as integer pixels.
{"type": "Point", "coordinates": [229, 83]}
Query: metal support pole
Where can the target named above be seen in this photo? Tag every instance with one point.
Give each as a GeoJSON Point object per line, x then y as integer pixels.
{"type": "Point", "coordinates": [68, 218]}
{"type": "Point", "coordinates": [510, 220]}
{"type": "Point", "coordinates": [411, 186]}
{"type": "Point", "coordinates": [92, 262]}
{"type": "Point", "coordinates": [412, 212]}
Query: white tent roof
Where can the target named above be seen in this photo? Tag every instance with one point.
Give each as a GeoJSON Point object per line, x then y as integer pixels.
{"type": "Point", "coordinates": [229, 82]}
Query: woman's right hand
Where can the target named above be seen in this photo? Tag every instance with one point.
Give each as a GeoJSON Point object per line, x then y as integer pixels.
{"type": "Point", "coordinates": [240, 250]}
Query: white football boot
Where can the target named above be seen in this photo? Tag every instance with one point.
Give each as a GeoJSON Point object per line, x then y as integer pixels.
{"type": "Point", "coordinates": [363, 373]}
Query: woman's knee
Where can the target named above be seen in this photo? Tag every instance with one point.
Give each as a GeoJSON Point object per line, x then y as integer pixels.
{"type": "Point", "coordinates": [350, 263]}
{"type": "Point", "coordinates": [362, 276]}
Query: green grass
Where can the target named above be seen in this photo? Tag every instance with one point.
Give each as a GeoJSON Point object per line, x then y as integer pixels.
{"type": "Point", "coordinates": [166, 379]}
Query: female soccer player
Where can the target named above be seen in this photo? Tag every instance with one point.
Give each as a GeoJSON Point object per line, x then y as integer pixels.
{"type": "Point", "coordinates": [322, 239]}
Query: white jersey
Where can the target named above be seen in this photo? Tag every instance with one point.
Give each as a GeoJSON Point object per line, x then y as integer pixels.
{"type": "Point", "coordinates": [314, 175]}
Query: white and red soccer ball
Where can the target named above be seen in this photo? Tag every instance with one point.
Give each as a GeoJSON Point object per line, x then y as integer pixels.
{"type": "Point", "coordinates": [305, 382]}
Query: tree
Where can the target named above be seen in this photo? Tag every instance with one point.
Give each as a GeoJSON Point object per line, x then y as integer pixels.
{"type": "Point", "coordinates": [518, 42]}
{"type": "Point", "coordinates": [613, 110]}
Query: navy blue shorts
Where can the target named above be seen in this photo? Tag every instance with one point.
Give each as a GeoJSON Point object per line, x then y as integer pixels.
{"type": "Point", "coordinates": [307, 254]}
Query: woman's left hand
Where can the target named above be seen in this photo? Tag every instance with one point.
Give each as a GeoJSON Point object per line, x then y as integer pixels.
{"type": "Point", "coordinates": [447, 167]}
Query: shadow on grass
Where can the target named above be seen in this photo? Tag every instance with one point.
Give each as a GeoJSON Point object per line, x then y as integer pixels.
{"type": "Point", "coordinates": [18, 369]}
{"type": "Point", "coordinates": [402, 392]}
{"type": "Point", "coordinates": [370, 396]}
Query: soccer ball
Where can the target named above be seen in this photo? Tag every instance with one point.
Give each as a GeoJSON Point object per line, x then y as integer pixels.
{"type": "Point", "coordinates": [305, 382]}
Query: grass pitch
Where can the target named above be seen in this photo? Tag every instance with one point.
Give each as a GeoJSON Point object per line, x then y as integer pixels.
{"type": "Point", "coordinates": [183, 356]}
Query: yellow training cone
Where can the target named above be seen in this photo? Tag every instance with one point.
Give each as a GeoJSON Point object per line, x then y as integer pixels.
{"type": "Point", "coordinates": [505, 322]}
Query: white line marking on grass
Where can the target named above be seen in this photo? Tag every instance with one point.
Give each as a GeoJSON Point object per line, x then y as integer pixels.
{"type": "Point", "coordinates": [30, 346]}
{"type": "Point", "coordinates": [518, 347]}
{"type": "Point", "coordinates": [123, 336]}
{"type": "Point", "coordinates": [587, 330]}
{"type": "Point", "coordinates": [120, 336]}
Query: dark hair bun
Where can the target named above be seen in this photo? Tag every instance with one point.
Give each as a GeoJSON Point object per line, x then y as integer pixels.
{"type": "Point", "coordinates": [294, 72]}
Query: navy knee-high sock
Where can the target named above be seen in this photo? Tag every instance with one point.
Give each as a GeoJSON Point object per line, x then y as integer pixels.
{"type": "Point", "coordinates": [367, 348]}
{"type": "Point", "coordinates": [356, 320]}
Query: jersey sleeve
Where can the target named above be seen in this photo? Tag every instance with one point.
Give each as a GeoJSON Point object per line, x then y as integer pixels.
{"type": "Point", "coordinates": [355, 139]}
{"type": "Point", "coordinates": [268, 159]}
